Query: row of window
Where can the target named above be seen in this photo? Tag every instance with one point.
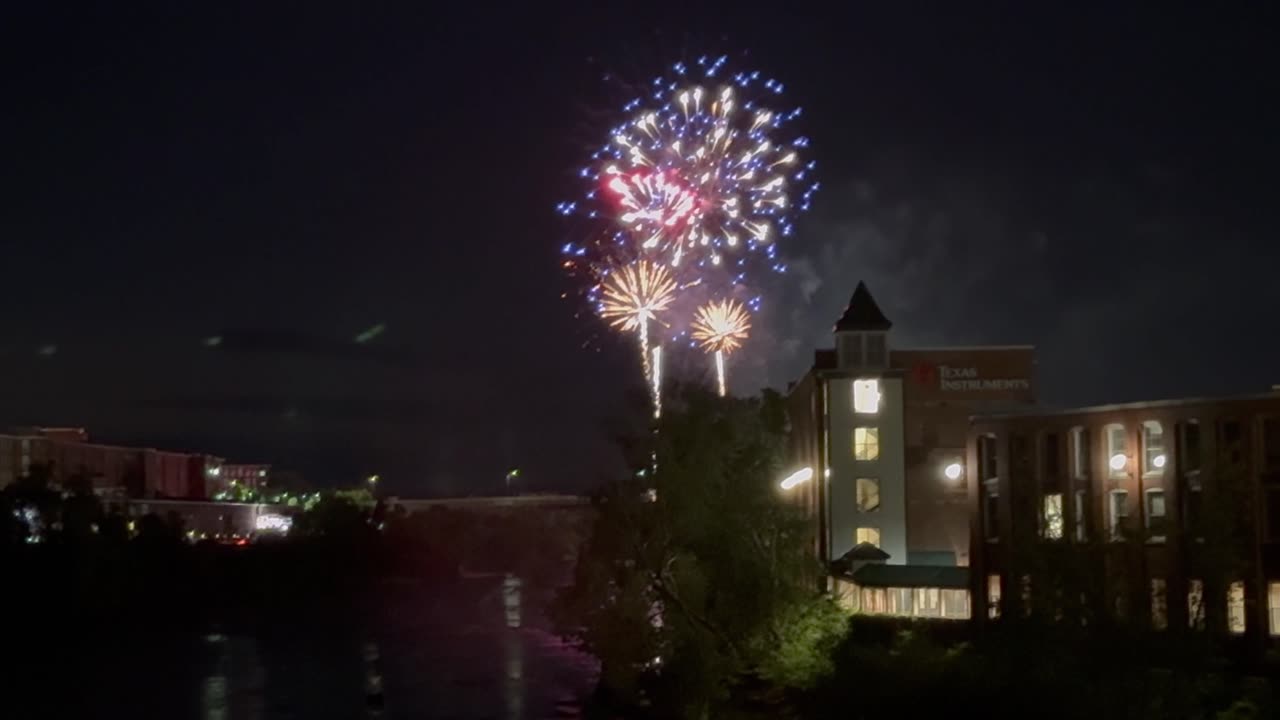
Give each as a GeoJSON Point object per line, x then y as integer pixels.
{"type": "Point", "coordinates": [1154, 456]}
{"type": "Point", "coordinates": [1053, 522]}
{"type": "Point", "coordinates": [919, 602]}
{"type": "Point", "coordinates": [1159, 589]}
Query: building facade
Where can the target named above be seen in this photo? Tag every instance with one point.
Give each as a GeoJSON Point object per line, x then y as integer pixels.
{"type": "Point", "coordinates": [1161, 513]}
{"type": "Point", "coordinates": [111, 470]}
{"type": "Point", "coordinates": [884, 431]}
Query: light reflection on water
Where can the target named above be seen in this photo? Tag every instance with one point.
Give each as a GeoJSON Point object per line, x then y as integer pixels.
{"type": "Point", "coordinates": [478, 651]}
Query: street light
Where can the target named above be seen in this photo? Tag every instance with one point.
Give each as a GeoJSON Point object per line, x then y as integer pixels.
{"type": "Point", "coordinates": [797, 477]}
{"type": "Point", "coordinates": [953, 471]}
{"type": "Point", "coordinates": [373, 480]}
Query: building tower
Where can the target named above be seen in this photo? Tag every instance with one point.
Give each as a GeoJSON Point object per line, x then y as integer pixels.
{"type": "Point", "coordinates": [866, 483]}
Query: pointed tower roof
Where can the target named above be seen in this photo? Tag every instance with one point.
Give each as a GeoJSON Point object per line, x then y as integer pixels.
{"type": "Point", "coordinates": [862, 312]}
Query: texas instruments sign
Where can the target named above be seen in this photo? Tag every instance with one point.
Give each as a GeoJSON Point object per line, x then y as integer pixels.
{"type": "Point", "coordinates": [951, 378]}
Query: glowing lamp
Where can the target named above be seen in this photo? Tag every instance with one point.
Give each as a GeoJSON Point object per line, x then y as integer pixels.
{"type": "Point", "coordinates": [797, 477]}
{"type": "Point", "coordinates": [953, 471]}
{"type": "Point", "coordinates": [1158, 462]}
{"type": "Point", "coordinates": [1118, 462]}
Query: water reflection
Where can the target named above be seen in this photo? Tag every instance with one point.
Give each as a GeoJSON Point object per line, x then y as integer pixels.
{"type": "Point", "coordinates": [479, 649]}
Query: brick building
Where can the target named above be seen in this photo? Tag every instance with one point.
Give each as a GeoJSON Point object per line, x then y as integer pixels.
{"type": "Point", "coordinates": [1165, 513]}
{"type": "Point", "coordinates": [112, 470]}
{"type": "Point", "coordinates": [884, 431]}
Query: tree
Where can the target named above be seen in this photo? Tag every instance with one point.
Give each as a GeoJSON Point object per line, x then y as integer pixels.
{"type": "Point", "coordinates": [697, 574]}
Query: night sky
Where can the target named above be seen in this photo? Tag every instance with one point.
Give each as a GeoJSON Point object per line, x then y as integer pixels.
{"type": "Point", "coordinates": [203, 212]}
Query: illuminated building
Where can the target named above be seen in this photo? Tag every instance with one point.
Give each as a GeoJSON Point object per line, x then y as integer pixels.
{"type": "Point", "coordinates": [115, 471]}
{"type": "Point", "coordinates": [1172, 507]}
{"type": "Point", "coordinates": [883, 429]}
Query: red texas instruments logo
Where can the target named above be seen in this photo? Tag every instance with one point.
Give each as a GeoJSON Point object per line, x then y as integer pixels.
{"type": "Point", "coordinates": [925, 374]}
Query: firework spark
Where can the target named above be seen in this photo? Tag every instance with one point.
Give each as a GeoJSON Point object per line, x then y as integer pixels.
{"type": "Point", "coordinates": [721, 327]}
{"type": "Point", "coordinates": [700, 172]}
{"type": "Point", "coordinates": [631, 297]}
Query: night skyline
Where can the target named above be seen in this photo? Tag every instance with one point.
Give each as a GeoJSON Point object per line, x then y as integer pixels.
{"type": "Point", "coordinates": [286, 182]}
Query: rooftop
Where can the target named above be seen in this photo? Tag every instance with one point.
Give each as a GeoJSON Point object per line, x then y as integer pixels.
{"type": "Point", "coordinates": [1136, 405]}
{"type": "Point", "coordinates": [912, 576]}
{"type": "Point", "coordinates": [862, 313]}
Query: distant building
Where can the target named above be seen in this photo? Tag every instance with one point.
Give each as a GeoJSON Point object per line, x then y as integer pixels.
{"type": "Point", "coordinates": [1170, 511]}
{"type": "Point", "coordinates": [116, 471]}
{"type": "Point", "coordinates": [884, 431]}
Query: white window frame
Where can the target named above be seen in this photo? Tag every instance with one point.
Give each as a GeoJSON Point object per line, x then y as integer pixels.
{"type": "Point", "coordinates": [1111, 432]}
{"type": "Point", "coordinates": [1147, 515]}
{"type": "Point", "coordinates": [867, 396]}
{"type": "Point", "coordinates": [1115, 520]}
{"type": "Point", "coordinates": [1236, 620]}
{"type": "Point", "coordinates": [870, 443]}
{"type": "Point", "coordinates": [1273, 607]}
{"type": "Point", "coordinates": [1081, 499]}
{"type": "Point", "coordinates": [1195, 604]}
{"type": "Point", "coordinates": [857, 493]}
{"type": "Point", "coordinates": [1052, 526]}
{"type": "Point", "coordinates": [1150, 427]}
{"type": "Point", "coordinates": [1078, 452]}
{"type": "Point", "coordinates": [993, 596]}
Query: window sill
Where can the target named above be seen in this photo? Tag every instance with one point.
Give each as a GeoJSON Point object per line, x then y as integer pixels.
{"type": "Point", "coordinates": [1158, 540]}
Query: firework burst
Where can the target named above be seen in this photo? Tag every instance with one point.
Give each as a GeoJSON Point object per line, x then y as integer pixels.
{"type": "Point", "coordinates": [703, 177]}
{"type": "Point", "coordinates": [632, 296]}
{"type": "Point", "coordinates": [720, 328]}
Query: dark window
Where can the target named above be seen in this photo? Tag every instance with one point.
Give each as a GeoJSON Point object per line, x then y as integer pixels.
{"type": "Point", "coordinates": [1020, 462]}
{"type": "Point", "coordinates": [1273, 514]}
{"type": "Point", "coordinates": [1080, 451]}
{"type": "Point", "coordinates": [987, 456]}
{"type": "Point", "coordinates": [1193, 513]}
{"type": "Point", "coordinates": [1271, 442]}
{"type": "Point", "coordinates": [990, 511]}
{"type": "Point", "coordinates": [1051, 455]}
{"type": "Point", "coordinates": [875, 351]}
{"type": "Point", "coordinates": [1229, 431]}
{"type": "Point", "coordinates": [1156, 515]}
{"type": "Point", "coordinates": [1191, 446]}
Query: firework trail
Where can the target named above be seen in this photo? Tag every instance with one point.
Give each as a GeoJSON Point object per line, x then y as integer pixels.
{"type": "Point", "coordinates": [721, 328]}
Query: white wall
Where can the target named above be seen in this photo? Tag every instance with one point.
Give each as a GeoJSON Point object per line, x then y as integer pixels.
{"type": "Point", "coordinates": [891, 518]}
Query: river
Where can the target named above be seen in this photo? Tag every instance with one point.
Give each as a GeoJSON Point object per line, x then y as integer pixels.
{"type": "Point", "coordinates": [474, 650]}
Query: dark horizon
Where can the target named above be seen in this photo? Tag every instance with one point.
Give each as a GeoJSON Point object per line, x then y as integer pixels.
{"type": "Point", "coordinates": [210, 213]}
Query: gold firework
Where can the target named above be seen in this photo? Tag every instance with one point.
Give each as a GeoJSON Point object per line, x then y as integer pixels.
{"type": "Point", "coordinates": [634, 294]}
{"type": "Point", "coordinates": [721, 326]}
{"type": "Point", "coordinates": [631, 296]}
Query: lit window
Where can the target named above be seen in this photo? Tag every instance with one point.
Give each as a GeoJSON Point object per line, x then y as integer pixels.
{"type": "Point", "coordinates": [1273, 607]}
{"type": "Point", "coordinates": [1235, 608]}
{"type": "Point", "coordinates": [1159, 604]}
{"type": "Point", "coordinates": [955, 604]}
{"type": "Point", "coordinates": [1082, 515]}
{"type": "Point", "coordinates": [866, 396]}
{"type": "Point", "coordinates": [873, 601]}
{"type": "Point", "coordinates": [928, 602]}
{"type": "Point", "coordinates": [866, 443]}
{"type": "Point", "coordinates": [1117, 455]}
{"type": "Point", "coordinates": [1052, 516]}
{"type": "Point", "coordinates": [1080, 452]}
{"type": "Point", "coordinates": [1117, 513]}
{"type": "Point", "coordinates": [868, 535]}
{"type": "Point", "coordinates": [1195, 604]}
{"type": "Point", "coordinates": [1156, 519]}
{"type": "Point", "coordinates": [1153, 456]}
{"type": "Point", "coordinates": [900, 601]}
{"type": "Point", "coordinates": [868, 494]}
{"type": "Point", "coordinates": [993, 596]}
